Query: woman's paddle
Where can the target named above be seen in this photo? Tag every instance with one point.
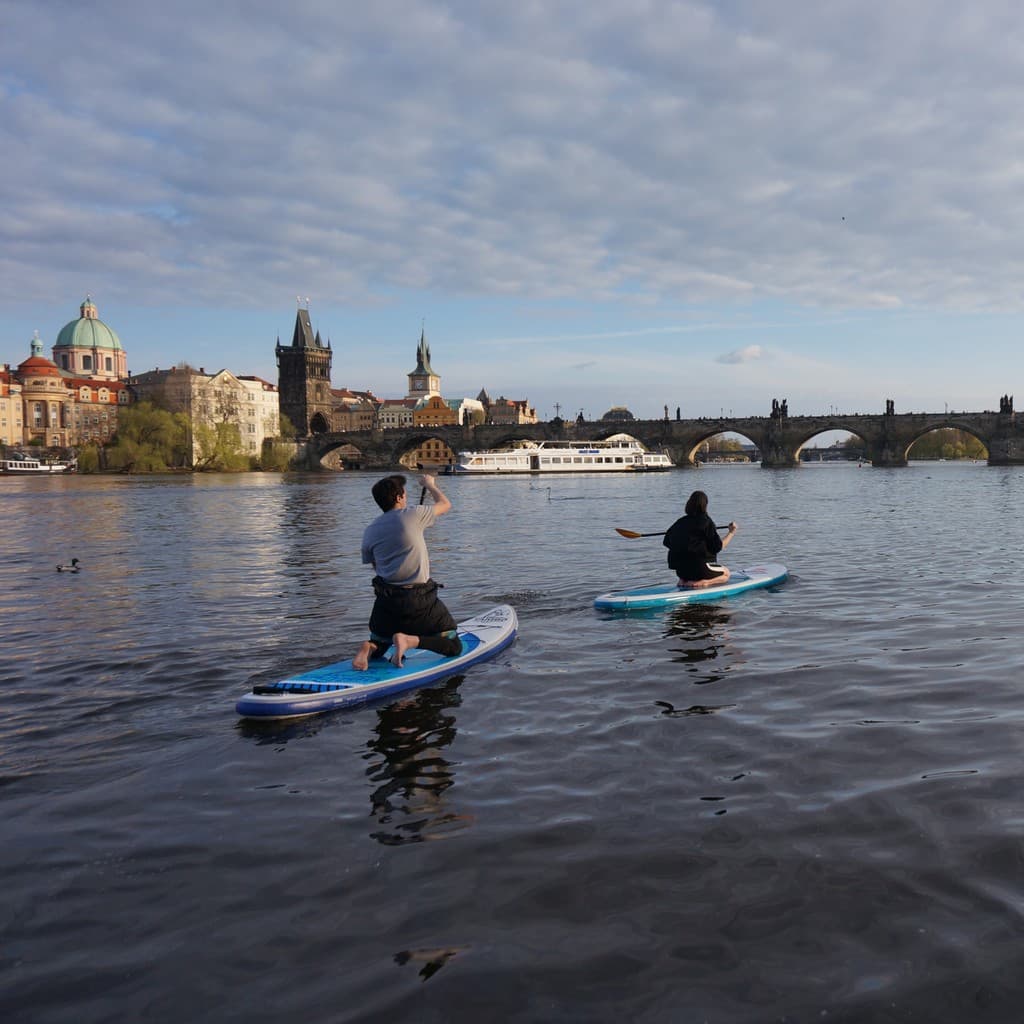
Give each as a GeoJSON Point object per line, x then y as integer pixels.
{"type": "Point", "coordinates": [632, 534]}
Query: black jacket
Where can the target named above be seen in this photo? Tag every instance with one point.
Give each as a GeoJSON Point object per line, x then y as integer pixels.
{"type": "Point", "coordinates": [692, 542]}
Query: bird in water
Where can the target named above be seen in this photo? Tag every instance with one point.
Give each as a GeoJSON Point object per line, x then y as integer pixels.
{"type": "Point", "coordinates": [565, 497]}
{"type": "Point", "coordinates": [72, 567]}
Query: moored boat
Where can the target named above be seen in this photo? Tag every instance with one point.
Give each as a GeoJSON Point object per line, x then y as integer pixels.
{"type": "Point", "coordinates": [610, 456]}
{"type": "Point", "coordinates": [26, 465]}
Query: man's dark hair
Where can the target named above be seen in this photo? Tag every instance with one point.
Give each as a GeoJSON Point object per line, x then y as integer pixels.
{"type": "Point", "coordinates": [387, 491]}
{"type": "Point", "coordinates": [697, 504]}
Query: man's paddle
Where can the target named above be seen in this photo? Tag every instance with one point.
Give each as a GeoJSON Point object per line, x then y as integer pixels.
{"type": "Point", "coordinates": [632, 534]}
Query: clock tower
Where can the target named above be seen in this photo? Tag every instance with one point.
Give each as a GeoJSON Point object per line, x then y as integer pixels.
{"type": "Point", "coordinates": [423, 382]}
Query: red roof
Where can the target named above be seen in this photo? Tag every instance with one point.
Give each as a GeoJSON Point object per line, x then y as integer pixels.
{"type": "Point", "coordinates": [39, 366]}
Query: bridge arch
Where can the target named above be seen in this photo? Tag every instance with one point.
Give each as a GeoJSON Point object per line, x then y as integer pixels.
{"type": "Point", "coordinates": [404, 452]}
{"type": "Point", "coordinates": [340, 454]}
{"type": "Point", "coordinates": [864, 447]}
{"type": "Point", "coordinates": [965, 428]}
{"type": "Point", "coordinates": [690, 453]}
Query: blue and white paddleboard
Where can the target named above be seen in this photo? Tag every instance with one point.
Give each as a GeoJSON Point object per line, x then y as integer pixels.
{"type": "Point", "coordinates": [664, 595]}
{"type": "Point", "coordinates": [340, 685]}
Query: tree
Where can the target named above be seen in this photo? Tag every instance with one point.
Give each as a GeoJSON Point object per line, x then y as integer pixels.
{"type": "Point", "coordinates": [88, 459]}
{"type": "Point", "coordinates": [148, 440]}
{"type": "Point", "coordinates": [218, 447]}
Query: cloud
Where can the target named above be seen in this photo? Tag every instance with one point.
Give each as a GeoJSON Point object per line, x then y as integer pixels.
{"type": "Point", "coordinates": [699, 152]}
{"type": "Point", "coordinates": [749, 354]}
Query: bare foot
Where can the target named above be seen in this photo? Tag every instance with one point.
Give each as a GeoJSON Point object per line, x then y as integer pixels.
{"type": "Point", "coordinates": [402, 643]}
{"type": "Point", "coordinates": [362, 659]}
{"type": "Point", "coordinates": [715, 582]}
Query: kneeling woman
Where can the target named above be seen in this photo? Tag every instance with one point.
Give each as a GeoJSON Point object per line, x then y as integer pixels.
{"type": "Point", "coordinates": [693, 545]}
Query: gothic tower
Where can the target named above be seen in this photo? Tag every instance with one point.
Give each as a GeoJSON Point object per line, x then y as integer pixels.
{"type": "Point", "coordinates": [423, 382]}
{"type": "Point", "coordinates": [304, 379]}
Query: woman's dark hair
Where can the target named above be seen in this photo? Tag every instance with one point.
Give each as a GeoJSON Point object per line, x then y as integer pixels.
{"type": "Point", "coordinates": [387, 491]}
{"type": "Point", "coordinates": [697, 504]}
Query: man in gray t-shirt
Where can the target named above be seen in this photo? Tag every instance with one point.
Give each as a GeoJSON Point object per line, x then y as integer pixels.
{"type": "Point", "coordinates": [407, 612]}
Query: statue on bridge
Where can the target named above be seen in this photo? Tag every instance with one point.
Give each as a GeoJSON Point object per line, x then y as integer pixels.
{"type": "Point", "coordinates": [780, 411]}
{"type": "Point", "coordinates": [1006, 404]}
{"type": "Point", "coordinates": [890, 407]}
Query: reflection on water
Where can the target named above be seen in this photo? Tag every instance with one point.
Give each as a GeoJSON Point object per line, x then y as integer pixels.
{"type": "Point", "coordinates": [432, 960]}
{"type": "Point", "coordinates": [694, 709]}
{"type": "Point", "coordinates": [703, 628]}
{"type": "Point", "coordinates": [405, 761]}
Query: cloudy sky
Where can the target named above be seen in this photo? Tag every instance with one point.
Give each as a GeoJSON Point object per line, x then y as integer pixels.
{"type": "Point", "coordinates": [605, 202]}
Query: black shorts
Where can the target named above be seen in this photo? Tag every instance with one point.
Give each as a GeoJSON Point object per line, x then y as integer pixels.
{"type": "Point", "coordinates": [416, 610]}
{"type": "Point", "coordinates": [706, 571]}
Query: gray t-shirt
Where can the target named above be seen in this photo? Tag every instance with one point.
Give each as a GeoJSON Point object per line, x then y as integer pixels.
{"type": "Point", "coordinates": [394, 544]}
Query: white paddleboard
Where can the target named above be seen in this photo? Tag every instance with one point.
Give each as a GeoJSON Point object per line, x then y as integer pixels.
{"type": "Point", "coordinates": [663, 595]}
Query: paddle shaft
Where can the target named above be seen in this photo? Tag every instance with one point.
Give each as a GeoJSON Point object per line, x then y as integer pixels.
{"type": "Point", "coordinates": [632, 534]}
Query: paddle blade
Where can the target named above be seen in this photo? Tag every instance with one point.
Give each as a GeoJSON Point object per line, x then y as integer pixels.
{"type": "Point", "coordinates": [631, 534]}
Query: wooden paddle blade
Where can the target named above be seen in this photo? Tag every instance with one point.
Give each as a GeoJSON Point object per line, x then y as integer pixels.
{"type": "Point", "coordinates": [632, 534]}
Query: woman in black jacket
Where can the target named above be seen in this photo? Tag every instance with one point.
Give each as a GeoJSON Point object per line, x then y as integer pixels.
{"type": "Point", "coordinates": [693, 545]}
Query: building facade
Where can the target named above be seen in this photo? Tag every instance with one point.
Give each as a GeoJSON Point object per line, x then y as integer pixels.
{"type": "Point", "coordinates": [96, 407]}
{"type": "Point", "coordinates": [353, 410]}
{"type": "Point", "coordinates": [47, 401]}
{"type": "Point", "coordinates": [511, 411]}
{"type": "Point", "coordinates": [468, 410]}
{"type": "Point", "coordinates": [11, 408]}
{"type": "Point", "coordinates": [434, 412]}
{"type": "Point", "coordinates": [395, 413]}
{"type": "Point", "coordinates": [71, 399]}
{"type": "Point", "coordinates": [212, 402]}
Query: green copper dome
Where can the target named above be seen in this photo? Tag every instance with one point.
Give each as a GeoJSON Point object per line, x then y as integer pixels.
{"type": "Point", "coordinates": [88, 331]}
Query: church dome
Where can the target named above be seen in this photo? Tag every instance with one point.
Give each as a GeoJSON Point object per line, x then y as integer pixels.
{"type": "Point", "coordinates": [38, 366]}
{"type": "Point", "coordinates": [618, 414]}
{"type": "Point", "coordinates": [88, 331]}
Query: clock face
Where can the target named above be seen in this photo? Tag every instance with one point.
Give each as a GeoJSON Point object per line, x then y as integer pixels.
{"type": "Point", "coordinates": [419, 385]}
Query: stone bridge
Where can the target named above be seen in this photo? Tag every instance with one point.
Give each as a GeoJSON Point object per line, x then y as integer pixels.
{"type": "Point", "coordinates": [886, 438]}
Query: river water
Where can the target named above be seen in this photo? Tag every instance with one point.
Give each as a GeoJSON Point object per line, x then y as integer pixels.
{"type": "Point", "coordinates": [799, 805]}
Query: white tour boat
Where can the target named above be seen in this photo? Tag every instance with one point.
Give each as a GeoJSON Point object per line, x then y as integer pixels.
{"type": "Point", "coordinates": [616, 454]}
{"type": "Point", "coordinates": [33, 466]}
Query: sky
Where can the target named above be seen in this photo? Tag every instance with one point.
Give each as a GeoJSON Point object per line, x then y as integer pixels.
{"type": "Point", "coordinates": [640, 203]}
